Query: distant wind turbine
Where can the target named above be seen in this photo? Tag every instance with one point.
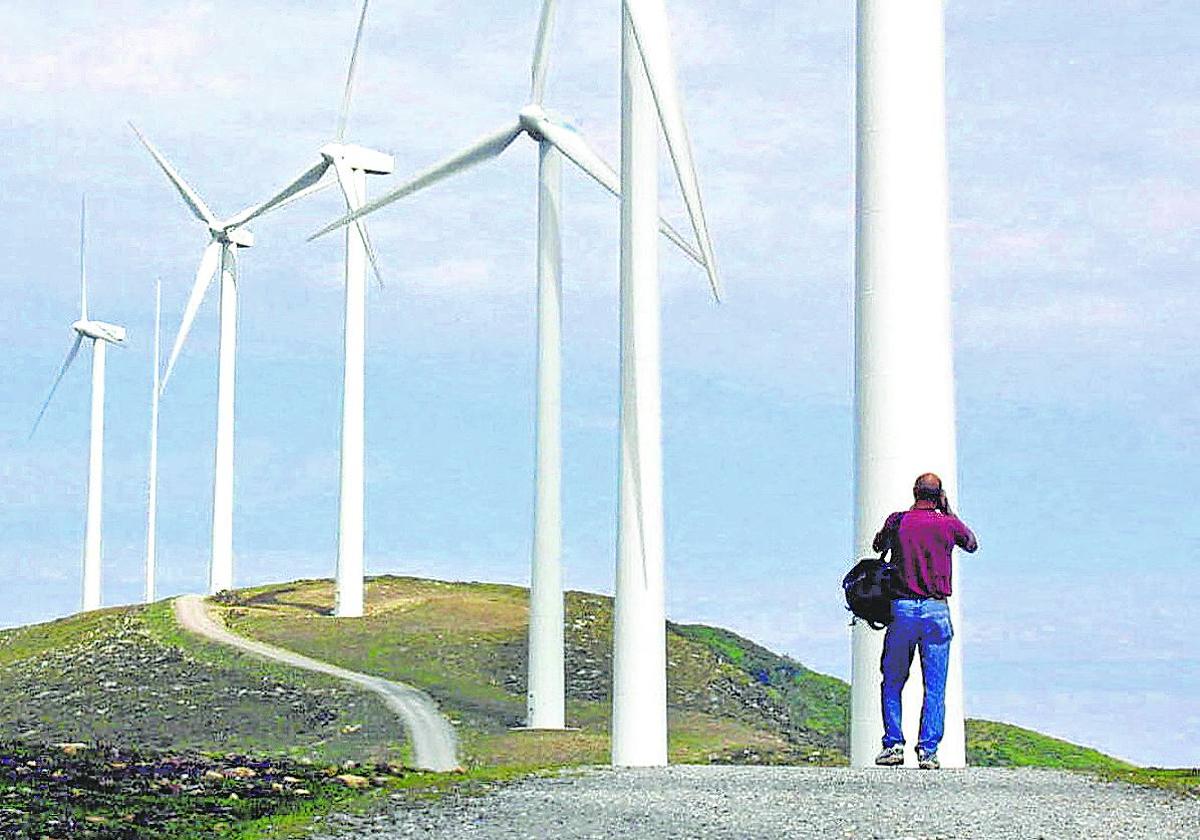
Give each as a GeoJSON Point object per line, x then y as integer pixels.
{"type": "Point", "coordinates": [101, 335]}
{"type": "Point", "coordinates": [220, 256]}
{"type": "Point", "coordinates": [649, 98]}
{"type": "Point", "coordinates": [350, 165]}
{"type": "Point", "coordinates": [555, 138]}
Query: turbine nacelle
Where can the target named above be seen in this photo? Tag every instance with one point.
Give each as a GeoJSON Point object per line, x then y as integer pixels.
{"type": "Point", "coordinates": [100, 331]}
{"type": "Point", "coordinates": [359, 157]}
{"type": "Point", "coordinates": [233, 236]}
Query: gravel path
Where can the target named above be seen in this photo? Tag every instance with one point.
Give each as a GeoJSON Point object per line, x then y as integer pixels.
{"type": "Point", "coordinates": [434, 743]}
{"type": "Point", "coordinates": [784, 802]}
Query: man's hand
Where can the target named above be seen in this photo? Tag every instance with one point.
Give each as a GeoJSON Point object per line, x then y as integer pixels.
{"type": "Point", "coordinates": [943, 504]}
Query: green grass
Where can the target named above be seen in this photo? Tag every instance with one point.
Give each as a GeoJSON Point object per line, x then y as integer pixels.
{"type": "Point", "coordinates": [721, 642]}
{"type": "Point", "coordinates": [1004, 745]}
{"type": "Point", "coordinates": [36, 639]}
{"type": "Point", "coordinates": [465, 644]}
{"type": "Point", "coordinates": [815, 702]}
{"type": "Point", "coordinates": [1185, 781]}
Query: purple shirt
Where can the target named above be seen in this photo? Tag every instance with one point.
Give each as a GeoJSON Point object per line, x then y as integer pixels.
{"type": "Point", "coordinates": [922, 549]}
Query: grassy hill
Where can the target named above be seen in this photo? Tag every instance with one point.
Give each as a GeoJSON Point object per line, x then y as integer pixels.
{"type": "Point", "coordinates": [729, 699]}
{"type": "Point", "coordinates": [164, 712]}
{"type": "Point", "coordinates": [128, 677]}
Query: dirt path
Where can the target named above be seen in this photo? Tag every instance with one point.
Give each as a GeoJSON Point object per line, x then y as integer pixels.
{"type": "Point", "coordinates": [434, 743]}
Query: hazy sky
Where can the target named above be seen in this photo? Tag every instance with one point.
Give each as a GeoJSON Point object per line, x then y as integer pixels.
{"type": "Point", "coordinates": [1075, 209]}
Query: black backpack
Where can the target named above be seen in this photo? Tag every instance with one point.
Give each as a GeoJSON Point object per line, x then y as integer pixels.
{"type": "Point", "coordinates": [869, 590]}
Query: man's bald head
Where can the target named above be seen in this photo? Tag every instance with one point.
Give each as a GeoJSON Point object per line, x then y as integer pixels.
{"type": "Point", "coordinates": [928, 488]}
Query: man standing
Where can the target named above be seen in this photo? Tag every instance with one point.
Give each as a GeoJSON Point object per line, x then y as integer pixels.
{"type": "Point", "coordinates": [921, 540]}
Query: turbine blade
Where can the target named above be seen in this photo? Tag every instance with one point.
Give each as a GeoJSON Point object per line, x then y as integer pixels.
{"type": "Point", "coordinates": [353, 202]}
{"type": "Point", "coordinates": [577, 149]}
{"type": "Point", "coordinates": [320, 186]}
{"type": "Point", "coordinates": [371, 255]}
{"type": "Point", "coordinates": [204, 275]}
{"type": "Point", "coordinates": [483, 149]}
{"type": "Point", "coordinates": [541, 52]}
{"type": "Point", "coordinates": [344, 114]}
{"type": "Point", "coordinates": [190, 197]}
{"type": "Point", "coordinates": [307, 179]}
{"type": "Point", "coordinates": [83, 301]}
{"type": "Point", "coordinates": [71, 354]}
{"type": "Point", "coordinates": [652, 32]}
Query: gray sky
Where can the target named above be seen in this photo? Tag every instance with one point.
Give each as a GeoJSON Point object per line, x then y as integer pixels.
{"type": "Point", "coordinates": [1074, 168]}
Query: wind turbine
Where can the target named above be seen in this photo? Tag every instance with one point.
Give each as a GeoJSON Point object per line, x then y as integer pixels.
{"type": "Point", "coordinates": [649, 98]}
{"type": "Point", "coordinates": [904, 368]}
{"type": "Point", "coordinates": [220, 256]}
{"type": "Point", "coordinates": [152, 481]}
{"type": "Point", "coordinates": [101, 335]}
{"type": "Point", "coordinates": [350, 164]}
{"type": "Point", "coordinates": [555, 138]}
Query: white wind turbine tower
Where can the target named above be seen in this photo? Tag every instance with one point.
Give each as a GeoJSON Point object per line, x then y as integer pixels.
{"type": "Point", "coordinates": [904, 391]}
{"type": "Point", "coordinates": [152, 480]}
{"type": "Point", "coordinates": [555, 138]}
{"type": "Point", "coordinates": [649, 98]}
{"type": "Point", "coordinates": [101, 335]}
{"type": "Point", "coordinates": [350, 164]}
{"type": "Point", "coordinates": [220, 256]}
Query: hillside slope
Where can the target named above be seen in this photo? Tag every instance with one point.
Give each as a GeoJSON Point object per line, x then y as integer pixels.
{"type": "Point", "coordinates": [730, 700]}
{"type": "Point", "coordinates": [127, 677]}
{"type": "Point", "coordinates": [130, 678]}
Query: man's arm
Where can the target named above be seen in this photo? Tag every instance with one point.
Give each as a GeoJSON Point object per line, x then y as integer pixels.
{"type": "Point", "coordinates": [884, 538]}
{"type": "Point", "coordinates": [964, 537]}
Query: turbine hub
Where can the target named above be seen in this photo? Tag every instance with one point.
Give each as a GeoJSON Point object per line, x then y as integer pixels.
{"type": "Point", "coordinates": [531, 117]}
{"type": "Point", "coordinates": [233, 236]}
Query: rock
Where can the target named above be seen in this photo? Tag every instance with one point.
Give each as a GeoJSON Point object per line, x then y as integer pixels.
{"type": "Point", "coordinates": [240, 773]}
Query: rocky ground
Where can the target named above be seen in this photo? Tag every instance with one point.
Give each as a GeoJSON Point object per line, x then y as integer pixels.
{"type": "Point", "coordinates": [75, 791]}
{"type": "Point", "coordinates": [776, 802]}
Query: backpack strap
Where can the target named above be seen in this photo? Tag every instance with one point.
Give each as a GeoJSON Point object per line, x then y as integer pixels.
{"type": "Point", "coordinates": [893, 544]}
{"type": "Point", "coordinates": [894, 548]}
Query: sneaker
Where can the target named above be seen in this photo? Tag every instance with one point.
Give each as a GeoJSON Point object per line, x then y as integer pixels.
{"type": "Point", "coordinates": [928, 761]}
{"type": "Point", "coordinates": [892, 756]}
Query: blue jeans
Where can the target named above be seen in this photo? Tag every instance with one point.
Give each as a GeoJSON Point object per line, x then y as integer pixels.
{"type": "Point", "coordinates": [917, 624]}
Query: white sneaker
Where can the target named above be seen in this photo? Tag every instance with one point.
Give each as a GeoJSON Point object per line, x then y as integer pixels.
{"type": "Point", "coordinates": [892, 756]}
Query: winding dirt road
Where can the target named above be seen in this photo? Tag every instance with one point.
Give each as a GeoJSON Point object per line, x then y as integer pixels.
{"type": "Point", "coordinates": [435, 746]}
